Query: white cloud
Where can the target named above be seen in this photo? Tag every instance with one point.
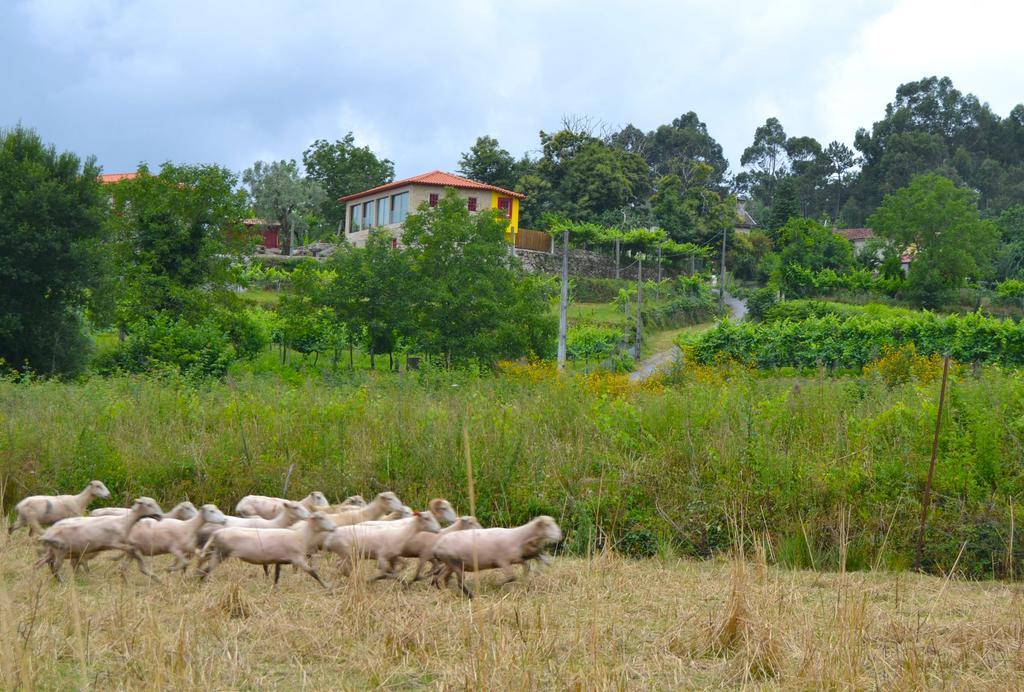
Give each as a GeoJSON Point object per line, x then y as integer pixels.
{"type": "Point", "coordinates": [976, 44]}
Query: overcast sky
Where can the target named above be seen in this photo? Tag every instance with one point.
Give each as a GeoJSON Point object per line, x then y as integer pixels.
{"type": "Point", "coordinates": [232, 82]}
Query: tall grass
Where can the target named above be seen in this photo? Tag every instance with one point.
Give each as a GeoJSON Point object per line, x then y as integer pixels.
{"type": "Point", "coordinates": [828, 472]}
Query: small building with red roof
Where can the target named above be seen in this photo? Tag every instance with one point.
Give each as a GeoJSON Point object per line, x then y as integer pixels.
{"type": "Point", "coordinates": [388, 205]}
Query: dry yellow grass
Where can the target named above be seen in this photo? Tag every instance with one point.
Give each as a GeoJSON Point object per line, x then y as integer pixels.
{"type": "Point", "coordinates": [582, 624]}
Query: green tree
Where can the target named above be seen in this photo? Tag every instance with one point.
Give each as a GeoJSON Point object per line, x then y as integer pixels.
{"type": "Point", "coordinates": [766, 156]}
{"type": "Point", "coordinates": [281, 193]}
{"type": "Point", "coordinates": [695, 212]}
{"type": "Point", "coordinates": [786, 207]}
{"type": "Point", "coordinates": [341, 168]}
{"type": "Point", "coordinates": [488, 163]}
{"type": "Point", "coordinates": [171, 234]}
{"type": "Point", "coordinates": [473, 303]}
{"type": "Point", "coordinates": [939, 223]}
{"type": "Point", "coordinates": [51, 210]}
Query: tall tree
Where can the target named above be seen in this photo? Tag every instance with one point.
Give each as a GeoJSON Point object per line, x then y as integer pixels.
{"type": "Point", "coordinates": [281, 193]}
{"type": "Point", "coordinates": [170, 234]}
{"type": "Point", "coordinates": [341, 168]}
{"type": "Point", "coordinates": [695, 213]}
{"type": "Point", "coordinates": [51, 210]}
{"type": "Point", "coordinates": [766, 156]}
{"type": "Point", "coordinates": [673, 149]}
{"type": "Point", "coordinates": [938, 223]}
{"type": "Point", "coordinates": [487, 162]}
{"type": "Point", "coordinates": [839, 161]}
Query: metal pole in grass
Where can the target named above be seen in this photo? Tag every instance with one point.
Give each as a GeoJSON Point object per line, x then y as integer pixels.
{"type": "Point", "coordinates": [563, 304]}
{"type": "Point", "coordinates": [469, 485]}
{"type": "Point", "coordinates": [926, 501]}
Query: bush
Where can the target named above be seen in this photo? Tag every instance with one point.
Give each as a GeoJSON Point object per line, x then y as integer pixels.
{"type": "Point", "coordinates": [586, 342]}
{"type": "Point", "coordinates": [852, 340]}
{"type": "Point", "coordinates": [586, 289]}
{"type": "Point", "coordinates": [760, 301]}
{"type": "Point", "coordinates": [195, 351]}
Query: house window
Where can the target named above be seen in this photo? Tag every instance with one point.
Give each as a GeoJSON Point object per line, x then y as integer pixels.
{"type": "Point", "coordinates": [505, 204]}
{"type": "Point", "coordinates": [472, 203]}
{"type": "Point", "coordinates": [368, 214]}
{"type": "Point", "coordinates": [433, 199]}
{"type": "Point", "coordinates": [357, 218]}
{"type": "Point", "coordinates": [399, 207]}
{"type": "Point", "coordinates": [382, 211]}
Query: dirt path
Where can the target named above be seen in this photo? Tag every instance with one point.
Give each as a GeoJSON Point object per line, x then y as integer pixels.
{"type": "Point", "coordinates": [664, 359]}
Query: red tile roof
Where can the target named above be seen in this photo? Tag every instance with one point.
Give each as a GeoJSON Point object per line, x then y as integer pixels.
{"type": "Point", "coordinates": [853, 234]}
{"type": "Point", "coordinates": [108, 178]}
{"type": "Point", "coordinates": [436, 178]}
{"type": "Point", "coordinates": [260, 222]}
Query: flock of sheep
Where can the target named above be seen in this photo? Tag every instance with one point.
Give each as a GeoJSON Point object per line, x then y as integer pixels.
{"type": "Point", "coordinates": [274, 531]}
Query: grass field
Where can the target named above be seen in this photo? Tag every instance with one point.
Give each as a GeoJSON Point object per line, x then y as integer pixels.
{"type": "Point", "coordinates": [598, 623]}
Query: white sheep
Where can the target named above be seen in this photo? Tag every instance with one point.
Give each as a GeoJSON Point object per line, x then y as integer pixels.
{"type": "Point", "coordinates": [383, 543]}
{"type": "Point", "coordinates": [171, 537]}
{"type": "Point", "coordinates": [480, 549]}
{"type": "Point", "coordinates": [267, 507]}
{"type": "Point", "coordinates": [289, 514]}
{"type": "Point", "coordinates": [384, 503]}
{"type": "Point", "coordinates": [182, 511]}
{"type": "Point", "coordinates": [441, 509]}
{"type": "Point", "coordinates": [268, 546]}
{"type": "Point", "coordinates": [421, 546]}
{"type": "Point", "coordinates": [78, 537]}
{"type": "Point", "coordinates": [349, 503]}
{"type": "Point", "coordinates": [36, 510]}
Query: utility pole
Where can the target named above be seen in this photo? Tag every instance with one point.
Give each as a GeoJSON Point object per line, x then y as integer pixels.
{"type": "Point", "coordinates": [563, 303]}
{"type": "Point", "coordinates": [721, 287]}
{"type": "Point", "coordinates": [639, 300]}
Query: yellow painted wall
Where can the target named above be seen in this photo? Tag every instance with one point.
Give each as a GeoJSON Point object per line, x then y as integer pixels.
{"type": "Point", "coordinates": [513, 223]}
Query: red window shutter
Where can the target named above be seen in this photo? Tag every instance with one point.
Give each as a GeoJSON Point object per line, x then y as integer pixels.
{"type": "Point", "coordinates": [505, 204]}
{"type": "Point", "coordinates": [472, 203]}
{"type": "Point", "coordinates": [433, 199]}
{"type": "Point", "coordinates": [394, 243]}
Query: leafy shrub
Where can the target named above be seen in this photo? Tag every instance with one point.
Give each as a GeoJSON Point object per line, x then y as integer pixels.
{"type": "Point", "coordinates": [588, 342]}
{"type": "Point", "coordinates": [902, 364]}
{"type": "Point", "coordinates": [760, 301]}
{"type": "Point", "coordinates": [163, 343]}
{"type": "Point", "coordinates": [854, 340]}
{"type": "Point", "coordinates": [587, 289]}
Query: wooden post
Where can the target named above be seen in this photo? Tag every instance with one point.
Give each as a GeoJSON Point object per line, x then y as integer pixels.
{"type": "Point", "coordinates": [563, 303]}
{"type": "Point", "coordinates": [617, 272]}
{"type": "Point", "coordinates": [926, 501]}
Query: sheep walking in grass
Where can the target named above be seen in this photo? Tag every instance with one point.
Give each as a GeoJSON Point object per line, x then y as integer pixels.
{"type": "Point", "coordinates": [268, 546]}
{"type": "Point", "coordinates": [171, 537]}
{"type": "Point", "coordinates": [36, 510]}
{"type": "Point", "coordinates": [383, 542]}
{"type": "Point", "coordinates": [421, 546]}
{"type": "Point", "coordinates": [384, 503]}
{"type": "Point", "coordinates": [77, 538]}
{"type": "Point", "coordinates": [268, 507]}
{"type": "Point", "coordinates": [480, 549]}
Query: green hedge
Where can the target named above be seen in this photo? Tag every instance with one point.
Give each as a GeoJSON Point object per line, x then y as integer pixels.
{"type": "Point", "coordinates": [851, 341]}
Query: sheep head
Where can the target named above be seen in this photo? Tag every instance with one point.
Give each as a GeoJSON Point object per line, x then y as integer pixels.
{"type": "Point", "coordinates": [213, 515]}
{"type": "Point", "coordinates": [442, 509]}
{"type": "Point", "coordinates": [391, 501]}
{"type": "Point", "coordinates": [294, 510]}
{"type": "Point", "coordinates": [147, 507]}
{"type": "Point", "coordinates": [317, 499]}
{"type": "Point", "coordinates": [425, 521]}
{"type": "Point", "coordinates": [183, 511]}
{"type": "Point", "coordinates": [547, 530]}
{"type": "Point", "coordinates": [321, 522]}
{"type": "Point", "coordinates": [97, 489]}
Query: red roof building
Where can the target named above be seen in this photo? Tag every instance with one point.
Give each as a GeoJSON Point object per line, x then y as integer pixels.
{"type": "Point", "coordinates": [109, 178]}
{"type": "Point", "coordinates": [388, 205]}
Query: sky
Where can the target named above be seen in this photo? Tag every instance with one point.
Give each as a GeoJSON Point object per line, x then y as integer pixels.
{"type": "Point", "coordinates": [210, 81]}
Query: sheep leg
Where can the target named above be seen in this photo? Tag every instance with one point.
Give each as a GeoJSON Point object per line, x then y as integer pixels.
{"type": "Point", "coordinates": [207, 565]}
{"type": "Point", "coordinates": [510, 575]}
{"type": "Point", "coordinates": [460, 574]}
{"type": "Point", "coordinates": [34, 527]}
{"type": "Point", "coordinates": [180, 562]}
{"type": "Point", "coordinates": [419, 568]}
{"type": "Point", "coordinates": [56, 559]}
{"type": "Point", "coordinates": [277, 571]}
{"type": "Point", "coordinates": [304, 566]}
{"type": "Point", "coordinates": [18, 523]}
{"type": "Point", "coordinates": [142, 565]}
{"type": "Point", "coordinates": [266, 571]}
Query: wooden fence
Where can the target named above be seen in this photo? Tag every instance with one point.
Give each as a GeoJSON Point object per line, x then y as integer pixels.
{"type": "Point", "coordinates": [534, 240]}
